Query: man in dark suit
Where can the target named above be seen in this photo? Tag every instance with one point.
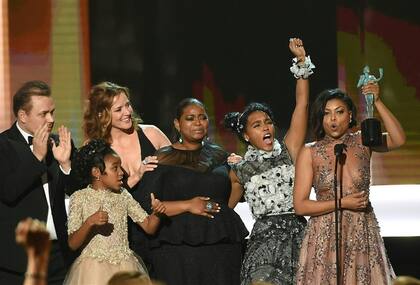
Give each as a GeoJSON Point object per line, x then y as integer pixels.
{"type": "Point", "coordinates": [34, 169]}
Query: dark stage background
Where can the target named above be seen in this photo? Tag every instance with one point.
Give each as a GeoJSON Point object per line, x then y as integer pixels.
{"type": "Point", "coordinates": [227, 53]}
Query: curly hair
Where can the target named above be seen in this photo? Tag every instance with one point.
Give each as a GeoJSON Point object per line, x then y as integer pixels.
{"type": "Point", "coordinates": [97, 118]}
{"type": "Point", "coordinates": [89, 156]}
{"type": "Point", "coordinates": [237, 122]}
{"type": "Point", "coordinates": [318, 110]}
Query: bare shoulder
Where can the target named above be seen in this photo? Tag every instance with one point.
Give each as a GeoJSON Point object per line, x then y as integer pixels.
{"type": "Point", "coordinates": [305, 152]}
{"type": "Point", "coordinates": [155, 135]}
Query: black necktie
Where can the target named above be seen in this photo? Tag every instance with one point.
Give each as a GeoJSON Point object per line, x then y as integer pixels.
{"type": "Point", "coordinates": [30, 139]}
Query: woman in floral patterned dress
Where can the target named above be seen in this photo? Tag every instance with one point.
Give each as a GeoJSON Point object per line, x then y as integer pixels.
{"type": "Point", "coordinates": [266, 174]}
{"type": "Point", "coordinates": [363, 259]}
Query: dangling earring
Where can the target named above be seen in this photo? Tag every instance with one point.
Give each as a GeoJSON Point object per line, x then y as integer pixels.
{"type": "Point", "coordinates": [204, 140]}
{"type": "Point", "coordinates": [180, 139]}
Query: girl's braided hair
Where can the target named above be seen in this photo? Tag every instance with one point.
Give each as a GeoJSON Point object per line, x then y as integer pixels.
{"type": "Point", "coordinates": [89, 156]}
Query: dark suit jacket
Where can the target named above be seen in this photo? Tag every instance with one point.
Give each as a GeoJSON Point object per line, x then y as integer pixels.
{"type": "Point", "coordinates": [22, 196]}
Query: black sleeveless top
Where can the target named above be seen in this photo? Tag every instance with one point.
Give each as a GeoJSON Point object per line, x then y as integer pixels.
{"type": "Point", "coordinates": [147, 148]}
{"type": "Point", "coordinates": [138, 239]}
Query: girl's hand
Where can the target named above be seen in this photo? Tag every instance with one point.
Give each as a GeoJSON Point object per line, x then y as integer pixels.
{"type": "Point", "coordinates": [296, 47]}
{"type": "Point", "coordinates": [203, 206]}
{"type": "Point", "coordinates": [371, 88]}
{"type": "Point", "coordinates": [99, 218]}
{"type": "Point", "coordinates": [157, 206]}
{"type": "Point", "coordinates": [355, 201]}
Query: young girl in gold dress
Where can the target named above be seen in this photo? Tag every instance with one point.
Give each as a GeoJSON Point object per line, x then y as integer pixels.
{"type": "Point", "coordinates": [97, 221]}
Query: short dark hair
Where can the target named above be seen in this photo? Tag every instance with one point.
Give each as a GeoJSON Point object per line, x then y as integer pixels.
{"type": "Point", "coordinates": [22, 98]}
{"type": "Point", "coordinates": [318, 110]}
{"type": "Point", "coordinates": [184, 103]}
{"type": "Point", "coordinates": [237, 122]}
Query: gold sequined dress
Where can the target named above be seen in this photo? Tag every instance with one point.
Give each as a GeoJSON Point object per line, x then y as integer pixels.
{"type": "Point", "coordinates": [107, 252]}
{"type": "Point", "coordinates": [363, 256]}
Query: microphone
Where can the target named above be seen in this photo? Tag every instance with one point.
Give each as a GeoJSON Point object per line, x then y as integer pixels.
{"type": "Point", "coordinates": [339, 148]}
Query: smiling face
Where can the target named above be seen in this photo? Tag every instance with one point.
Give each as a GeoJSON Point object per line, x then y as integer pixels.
{"type": "Point", "coordinates": [337, 118]}
{"type": "Point", "coordinates": [193, 124]}
{"type": "Point", "coordinates": [112, 176]}
{"type": "Point", "coordinates": [259, 131]}
{"type": "Point", "coordinates": [121, 112]}
{"type": "Point", "coordinates": [41, 112]}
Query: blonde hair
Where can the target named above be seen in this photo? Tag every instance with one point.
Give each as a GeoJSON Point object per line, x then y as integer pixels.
{"type": "Point", "coordinates": [97, 120]}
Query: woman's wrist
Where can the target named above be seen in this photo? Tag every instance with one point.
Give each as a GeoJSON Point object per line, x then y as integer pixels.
{"type": "Point", "coordinates": [37, 267]}
{"type": "Point", "coordinates": [36, 275]}
{"type": "Point", "coordinates": [342, 203]}
{"type": "Point", "coordinates": [301, 59]}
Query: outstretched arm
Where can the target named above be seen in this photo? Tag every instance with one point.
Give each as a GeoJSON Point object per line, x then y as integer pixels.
{"type": "Point", "coordinates": [151, 223]}
{"type": "Point", "coordinates": [196, 206]}
{"type": "Point", "coordinates": [395, 135]}
{"type": "Point", "coordinates": [295, 136]}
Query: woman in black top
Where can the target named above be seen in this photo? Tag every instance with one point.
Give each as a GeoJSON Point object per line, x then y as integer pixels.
{"type": "Point", "coordinates": [194, 249]}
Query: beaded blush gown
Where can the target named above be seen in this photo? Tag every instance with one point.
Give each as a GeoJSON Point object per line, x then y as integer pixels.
{"type": "Point", "coordinates": [108, 251]}
{"type": "Point", "coordinates": [363, 256]}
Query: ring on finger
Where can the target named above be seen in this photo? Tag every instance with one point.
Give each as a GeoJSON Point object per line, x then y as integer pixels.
{"type": "Point", "coordinates": [209, 206]}
{"type": "Point", "coordinates": [145, 161]}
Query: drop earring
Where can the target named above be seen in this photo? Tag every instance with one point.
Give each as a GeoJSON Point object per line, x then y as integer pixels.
{"type": "Point", "coordinates": [180, 139]}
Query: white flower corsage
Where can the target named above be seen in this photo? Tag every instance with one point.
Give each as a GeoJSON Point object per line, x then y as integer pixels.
{"type": "Point", "coordinates": [302, 70]}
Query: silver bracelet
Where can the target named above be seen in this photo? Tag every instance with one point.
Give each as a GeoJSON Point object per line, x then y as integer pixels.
{"type": "Point", "coordinates": [302, 69]}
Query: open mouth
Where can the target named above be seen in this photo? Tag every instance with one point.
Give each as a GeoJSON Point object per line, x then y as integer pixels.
{"type": "Point", "coordinates": [267, 138]}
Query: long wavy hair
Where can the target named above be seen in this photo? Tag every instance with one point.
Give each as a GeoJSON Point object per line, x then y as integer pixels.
{"type": "Point", "coordinates": [97, 119]}
{"type": "Point", "coordinates": [318, 110]}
